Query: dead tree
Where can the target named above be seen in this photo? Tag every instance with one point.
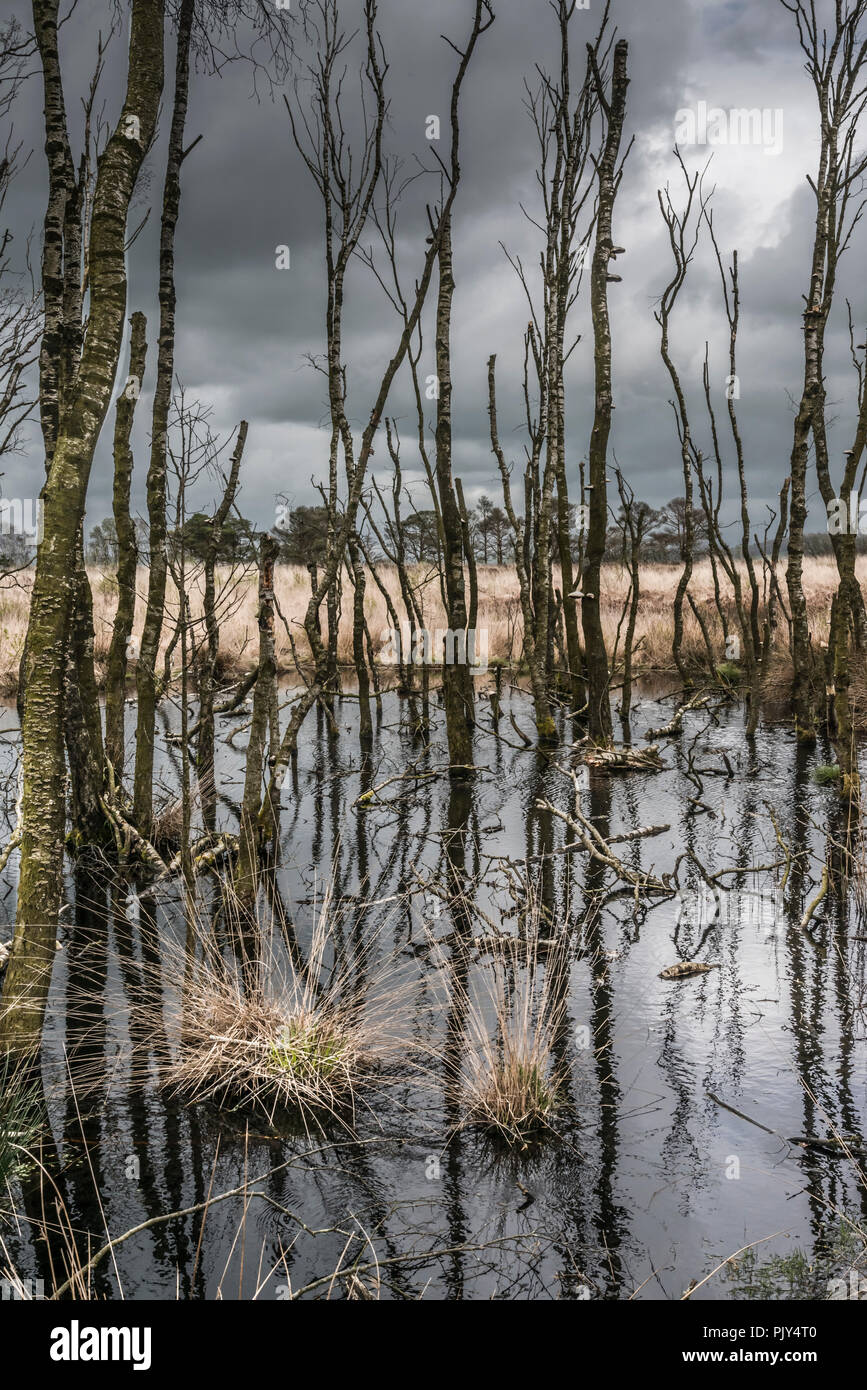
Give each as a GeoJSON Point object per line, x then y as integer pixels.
{"type": "Point", "coordinates": [563, 135]}
{"type": "Point", "coordinates": [346, 179]}
{"type": "Point", "coordinates": [246, 877]}
{"type": "Point", "coordinates": [208, 669]}
{"type": "Point", "coordinates": [392, 541]}
{"type": "Point", "coordinates": [410, 311]}
{"type": "Point", "coordinates": [732, 301]}
{"type": "Point", "coordinates": [608, 174]}
{"type": "Point", "coordinates": [843, 617]}
{"type": "Point", "coordinates": [773, 597]}
{"type": "Point", "coordinates": [835, 60]}
{"type": "Point", "coordinates": [634, 523]}
{"type": "Point", "coordinates": [456, 676]}
{"type": "Point", "coordinates": [146, 670]}
{"type": "Point", "coordinates": [535, 637]}
{"type": "Point", "coordinates": [119, 651]}
{"type": "Point", "coordinates": [683, 240]}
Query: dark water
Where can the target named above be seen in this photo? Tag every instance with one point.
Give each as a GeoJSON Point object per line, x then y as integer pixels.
{"type": "Point", "coordinates": [650, 1183]}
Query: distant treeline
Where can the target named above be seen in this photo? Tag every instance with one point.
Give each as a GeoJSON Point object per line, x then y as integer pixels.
{"type": "Point", "coordinates": [301, 536]}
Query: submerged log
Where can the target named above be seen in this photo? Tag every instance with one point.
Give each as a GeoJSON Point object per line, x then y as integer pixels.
{"type": "Point", "coordinates": [837, 1148]}
{"type": "Point", "coordinates": [682, 969]}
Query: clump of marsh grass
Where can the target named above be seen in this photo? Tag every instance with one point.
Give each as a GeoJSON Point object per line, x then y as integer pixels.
{"type": "Point", "coordinates": [729, 673]}
{"type": "Point", "coordinates": [803, 1274]}
{"type": "Point", "coordinates": [508, 1080]}
{"type": "Point", "coordinates": [257, 1020]}
{"type": "Point", "coordinates": [826, 773]}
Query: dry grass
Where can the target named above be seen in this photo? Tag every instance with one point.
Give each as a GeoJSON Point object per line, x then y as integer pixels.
{"type": "Point", "coordinates": [499, 613]}
{"type": "Point", "coordinates": [20, 1121]}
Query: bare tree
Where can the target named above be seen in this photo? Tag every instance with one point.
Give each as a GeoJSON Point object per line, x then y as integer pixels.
{"type": "Point", "coordinates": [457, 676]}
{"type": "Point", "coordinates": [146, 673]}
{"type": "Point", "coordinates": [410, 312]}
{"type": "Point", "coordinates": [347, 195]}
{"type": "Point", "coordinates": [835, 59]}
{"type": "Point", "coordinates": [208, 670]}
{"type": "Point", "coordinates": [683, 233]}
{"type": "Point", "coordinates": [608, 174]}
{"type": "Point", "coordinates": [127, 551]}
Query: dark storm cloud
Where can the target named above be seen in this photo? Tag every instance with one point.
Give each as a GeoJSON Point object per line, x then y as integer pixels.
{"type": "Point", "coordinates": [246, 329]}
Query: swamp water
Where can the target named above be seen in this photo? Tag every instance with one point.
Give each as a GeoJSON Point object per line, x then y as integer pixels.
{"type": "Point", "coordinates": [649, 1182]}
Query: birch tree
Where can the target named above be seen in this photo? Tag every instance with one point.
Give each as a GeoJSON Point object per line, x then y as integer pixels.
{"type": "Point", "coordinates": [75, 418]}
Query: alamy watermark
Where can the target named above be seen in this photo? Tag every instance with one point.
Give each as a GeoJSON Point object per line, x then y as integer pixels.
{"type": "Point", "coordinates": [711, 125]}
{"type": "Point", "coordinates": [744, 907]}
{"type": "Point", "coordinates": [856, 1288]}
{"type": "Point", "coordinates": [443, 647]}
{"type": "Point", "coordinates": [27, 1289]}
{"type": "Point", "coordinates": [21, 517]}
{"type": "Point", "coordinates": [851, 519]}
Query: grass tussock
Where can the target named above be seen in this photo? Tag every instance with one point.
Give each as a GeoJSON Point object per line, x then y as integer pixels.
{"type": "Point", "coordinates": [728, 673]}
{"type": "Point", "coordinates": [825, 774]}
{"type": "Point", "coordinates": [258, 1022]}
{"type": "Point", "coordinates": [509, 1081]}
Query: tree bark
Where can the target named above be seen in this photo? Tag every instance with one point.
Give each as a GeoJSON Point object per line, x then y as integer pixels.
{"type": "Point", "coordinates": [207, 676]}
{"type": "Point", "coordinates": [246, 878]}
{"type": "Point", "coordinates": [456, 677]}
{"type": "Point", "coordinates": [146, 671]}
{"type": "Point", "coordinates": [595, 655]}
{"type": "Point", "coordinates": [80, 421]}
{"type": "Point", "coordinates": [127, 551]}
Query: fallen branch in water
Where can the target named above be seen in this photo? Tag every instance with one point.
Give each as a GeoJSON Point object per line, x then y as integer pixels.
{"type": "Point", "coordinates": [204, 853]}
{"type": "Point", "coordinates": [237, 698]}
{"type": "Point", "coordinates": [837, 1148]}
{"type": "Point", "coordinates": [624, 759]}
{"type": "Point", "coordinates": [599, 848]}
{"type": "Point", "coordinates": [811, 907]}
{"type": "Point", "coordinates": [132, 836]}
{"type": "Point", "coordinates": [368, 798]}
{"type": "Point", "coordinates": [643, 832]}
{"type": "Point", "coordinates": [741, 1116]}
{"type": "Point", "coordinates": [674, 726]}
{"type": "Point", "coordinates": [528, 742]}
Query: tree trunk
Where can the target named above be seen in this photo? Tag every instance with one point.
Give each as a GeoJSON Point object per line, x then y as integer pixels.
{"type": "Point", "coordinates": [207, 677]}
{"type": "Point", "coordinates": [456, 677]}
{"type": "Point", "coordinates": [146, 671]}
{"type": "Point", "coordinates": [127, 551]}
{"type": "Point", "coordinates": [595, 656]}
{"type": "Point", "coordinates": [246, 878]}
{"type": "Point", "coordinates": [29, 971]}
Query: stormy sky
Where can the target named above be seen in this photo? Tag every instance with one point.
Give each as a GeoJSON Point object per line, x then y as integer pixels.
{"type": "Point", "coordinates": [247, 330]}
